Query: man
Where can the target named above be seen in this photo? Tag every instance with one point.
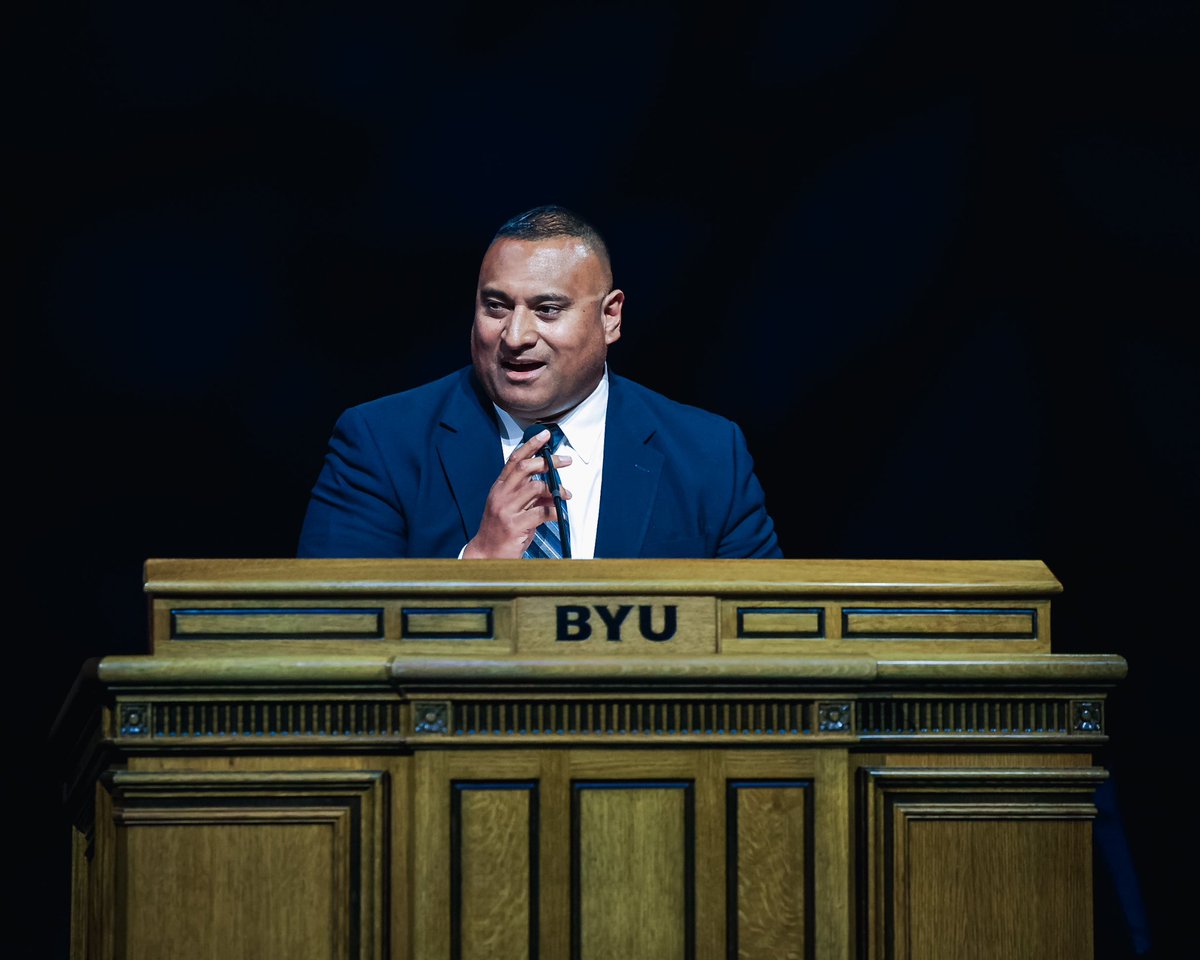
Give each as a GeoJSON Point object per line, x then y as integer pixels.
{"type": "Point", "coordinates": [450, 468]}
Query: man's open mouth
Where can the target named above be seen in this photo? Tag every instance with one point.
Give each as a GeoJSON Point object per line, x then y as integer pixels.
{"type": "Point", "coordinates": [522, 366]}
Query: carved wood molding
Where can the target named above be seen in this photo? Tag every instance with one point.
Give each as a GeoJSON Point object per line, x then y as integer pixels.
{"type": "Point", "coordinates": [224, 720]}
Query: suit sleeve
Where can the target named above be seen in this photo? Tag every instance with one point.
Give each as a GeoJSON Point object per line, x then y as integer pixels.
{"type": "Point", "coordinates": [354, 510]}
{"type": "Point", "coordinates": [749, 531]}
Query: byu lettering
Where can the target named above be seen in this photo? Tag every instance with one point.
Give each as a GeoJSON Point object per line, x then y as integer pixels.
{"type": "Point", "coordinates": [574, 621]}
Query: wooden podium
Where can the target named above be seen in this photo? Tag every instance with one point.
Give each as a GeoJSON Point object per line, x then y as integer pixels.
{"type": "Point", "coordinates": [611, 760]}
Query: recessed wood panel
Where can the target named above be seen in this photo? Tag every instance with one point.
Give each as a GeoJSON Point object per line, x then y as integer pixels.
{"type": "Point", "coordinates": [996, 889]}
{"type": "Point", "coordinates": [939, 623]}
{"type": "Point", "coordinates": [447, 623]}
{"type": "Point", "coordinates": [221, 865]}
{"type": "Point", "coordinates": [494, 889]}
{"type": "Point", "coordinates": [632, 876]}
{"type": "Point", "coordinates": [754, 621]}
{"type": "Point", "coordinates": [974, 861]}
{"type": "Point", "coordinates": [769, 868]}
{"type": "Point", "coordinates": [267, 623]}
{"type": "Point", "coordinates": [236, 890]}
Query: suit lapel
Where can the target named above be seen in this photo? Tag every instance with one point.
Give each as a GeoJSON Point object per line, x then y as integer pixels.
{"type": "Point", "coordinates": [468, 444]}
{"type": "Point", "coordinates": [631, 473]}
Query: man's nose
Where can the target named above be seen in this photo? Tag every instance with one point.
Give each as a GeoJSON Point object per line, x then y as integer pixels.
{"type": "Point", "coordinates": [521, 330]}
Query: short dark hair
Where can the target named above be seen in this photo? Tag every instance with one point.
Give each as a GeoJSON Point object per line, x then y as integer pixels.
{"type": "Point", "coordinates": [549, 221]}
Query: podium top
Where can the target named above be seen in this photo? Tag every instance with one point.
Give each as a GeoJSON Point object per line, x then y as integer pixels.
{"type": "Point", "coordinates": [281, 577]}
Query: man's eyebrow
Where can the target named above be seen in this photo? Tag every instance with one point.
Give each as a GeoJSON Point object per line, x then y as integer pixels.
{"type": "Point", "coordinates": [495, 293]}
{"type": "Point", "coordinates": [547, 297]}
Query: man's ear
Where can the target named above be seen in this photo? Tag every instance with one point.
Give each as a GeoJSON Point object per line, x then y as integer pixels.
{"type": "Point", "coordinates": [610, 315]}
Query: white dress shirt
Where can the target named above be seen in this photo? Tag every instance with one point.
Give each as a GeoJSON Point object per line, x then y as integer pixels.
{"type": "Point", "coordinates": [583, 441]}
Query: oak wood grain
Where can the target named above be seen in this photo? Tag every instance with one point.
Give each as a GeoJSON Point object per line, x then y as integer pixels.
{"type": "Point", "coordinates": [633, 882]}
{"type": "Point", "coordinates": [289, 577]}
{"type": "Point", "coordinates": [827, 760]}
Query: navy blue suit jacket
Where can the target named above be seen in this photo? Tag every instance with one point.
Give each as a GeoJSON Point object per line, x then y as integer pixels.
{"type": "Point", "coordinates": [408, 475]}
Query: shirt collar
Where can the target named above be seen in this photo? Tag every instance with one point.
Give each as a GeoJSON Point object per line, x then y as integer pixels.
{"type": "Point", "coordinates": [583, 427]}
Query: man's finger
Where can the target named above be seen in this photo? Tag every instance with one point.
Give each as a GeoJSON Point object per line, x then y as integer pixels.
{"type": "Point", "coordinates": [538, 499]}
{"type": "Point", "coordinates": [531, 446]}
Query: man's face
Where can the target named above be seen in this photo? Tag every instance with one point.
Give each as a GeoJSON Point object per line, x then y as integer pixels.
{"type": "Point", "coordinates": [544, 318]}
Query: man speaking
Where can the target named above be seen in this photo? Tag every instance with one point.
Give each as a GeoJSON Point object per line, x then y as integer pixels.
{"type": "Point", "coordinates": [537, 450]}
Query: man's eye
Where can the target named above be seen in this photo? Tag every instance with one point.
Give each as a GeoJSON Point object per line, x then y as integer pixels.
{"type": "Point", "coordinates": [493, 306]}
{"type": "Point", "coordinates": [549, 310]}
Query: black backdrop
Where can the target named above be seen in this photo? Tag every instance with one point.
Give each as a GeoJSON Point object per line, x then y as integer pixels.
{"type": "Point", "coordinates": [938, 260]}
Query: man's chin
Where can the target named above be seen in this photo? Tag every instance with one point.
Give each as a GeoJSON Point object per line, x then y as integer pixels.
{"type": "Point", "coordinates": [523, 403]}
{"type": "Point", "coordinates": [527, 401]}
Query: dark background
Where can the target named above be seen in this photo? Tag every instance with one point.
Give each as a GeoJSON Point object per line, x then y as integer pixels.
{"type": "Point", "coordinates": [938, 259]}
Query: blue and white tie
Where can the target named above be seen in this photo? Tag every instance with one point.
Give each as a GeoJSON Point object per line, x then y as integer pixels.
{"type": "Point", "coordinates": [547, 538]}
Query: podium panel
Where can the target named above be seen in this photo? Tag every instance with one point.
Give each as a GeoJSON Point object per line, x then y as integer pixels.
{"type": "Point", "coordinates": [292, 863]}
{"type": "Point", "coordinates": [655, 759]}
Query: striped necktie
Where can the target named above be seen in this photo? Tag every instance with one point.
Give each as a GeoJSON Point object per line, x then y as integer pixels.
{"type": "Point", "coordinates": [547, 538]}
